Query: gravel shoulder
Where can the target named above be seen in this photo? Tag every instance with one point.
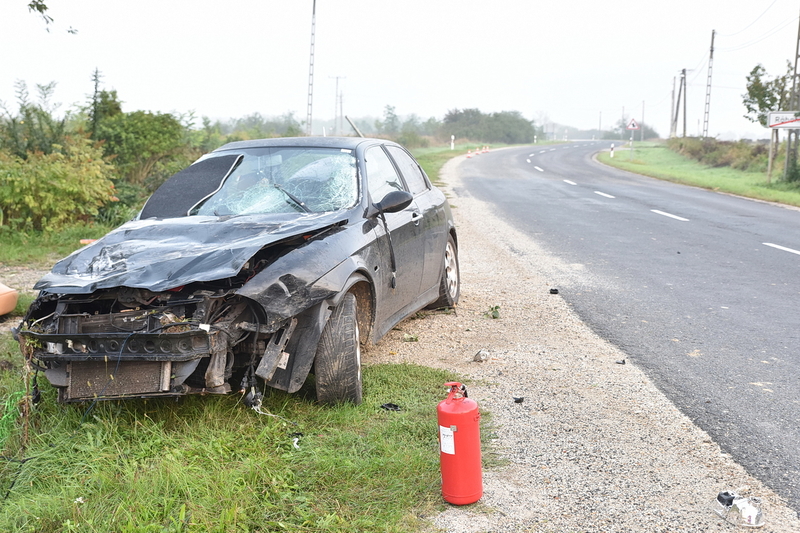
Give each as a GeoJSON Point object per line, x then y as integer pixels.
{"type": "Point", "coordinates": [594, 446]}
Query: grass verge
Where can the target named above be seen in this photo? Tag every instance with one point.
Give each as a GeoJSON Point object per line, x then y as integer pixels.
{"type": "Point", "coordinates": [39, 249]}
{"type": "Point", "coordinates": [432, 159]}
{"type": "Point", "coordinates": [209, 464]}
{"type": "Point", "coordinates": [656, 160]}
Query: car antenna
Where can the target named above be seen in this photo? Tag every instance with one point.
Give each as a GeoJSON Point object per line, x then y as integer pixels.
{"type": "Point", "coordinates": [358, 131]}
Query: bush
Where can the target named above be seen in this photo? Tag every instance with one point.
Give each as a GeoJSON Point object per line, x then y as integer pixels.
{"type": "Point", "coordinates": [46, 191]}
{"type": "Point", "coordinates": [740, 155]}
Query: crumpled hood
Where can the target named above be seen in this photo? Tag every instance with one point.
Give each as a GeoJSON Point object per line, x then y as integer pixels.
{"type": "Point", "coordinates": [162, 254]}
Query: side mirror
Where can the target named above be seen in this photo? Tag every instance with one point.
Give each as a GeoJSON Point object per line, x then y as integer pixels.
{"type": "Point", "coordinates": [394, 201]}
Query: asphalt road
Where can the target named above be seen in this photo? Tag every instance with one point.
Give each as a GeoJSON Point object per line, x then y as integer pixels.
{"type": "Point", "coordinates": [698, 288]}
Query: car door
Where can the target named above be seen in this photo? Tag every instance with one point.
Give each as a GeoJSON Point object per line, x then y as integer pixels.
{"type": "Point", "coordinates": [406, 239]}
{"type": "Point", "coordinates": [430, 202]}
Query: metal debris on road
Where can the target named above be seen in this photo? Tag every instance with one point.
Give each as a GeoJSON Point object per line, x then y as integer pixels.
{"type": "Point", "coordinates": [481, 356]}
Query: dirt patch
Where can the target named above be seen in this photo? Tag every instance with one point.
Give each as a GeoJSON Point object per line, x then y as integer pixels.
{"type": "Point", "coordinates": [22, 279]}
{"type": "Point", "coordinates": [594, 446]}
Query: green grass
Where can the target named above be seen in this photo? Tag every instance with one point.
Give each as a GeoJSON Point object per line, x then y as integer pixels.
{"type": "Point", "coordinates": [432, 159]}
{"type": "Point", "coordinates": [210, 464]}
{"type": "Point", "coordinates": [41, 249]}
{"type": "Point", "coordinates": [24, 301]}
{"type": "Point", "coordinates": [656, 160]}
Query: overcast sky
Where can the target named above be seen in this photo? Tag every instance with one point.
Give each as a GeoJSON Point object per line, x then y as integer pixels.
{"type": "Point", "coordinates": [578, 63]}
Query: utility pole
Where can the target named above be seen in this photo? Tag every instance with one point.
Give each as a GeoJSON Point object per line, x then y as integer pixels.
{"type": "Point", "coordinates": [337, 107]}
{"type": "Point", "coordinates": [794, 104]}
{"type": "Point", "coordinates": [708, 87]}
{"type": "Point", "coordinates": [673, 124]}
{"type": "Point", "coordinates": [642, 123]}
{"type": "Point", "coordinates": [683, 81]}
{"type": "Point", "coordinates": [311, 67]}
{"type": "Point", "coordinates": [681, 91]}
{"type": "Point", "coordinates": [341, 113]}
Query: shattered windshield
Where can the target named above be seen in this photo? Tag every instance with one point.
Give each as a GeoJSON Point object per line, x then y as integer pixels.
{"type": "Point", "coordinates": [284, 180]}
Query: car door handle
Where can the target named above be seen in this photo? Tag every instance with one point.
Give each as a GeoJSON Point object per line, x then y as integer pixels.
{"type": "Point", "coordinates": [416, 218]}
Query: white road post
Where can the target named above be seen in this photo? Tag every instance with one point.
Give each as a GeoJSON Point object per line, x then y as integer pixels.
{"type": "Point", "coordinates": [631, 158]}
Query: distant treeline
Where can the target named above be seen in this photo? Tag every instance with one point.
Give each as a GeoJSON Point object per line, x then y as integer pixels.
{"type": "Point", "coordinates": [97, 162]}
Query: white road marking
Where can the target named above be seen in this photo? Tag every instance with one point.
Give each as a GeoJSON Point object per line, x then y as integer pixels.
{"type": "Point", "coordinates": [604, 194]}
{"type": "Point", "coordinates": [531, 155]}
{"type": "Point", "coordinates": [543, 151]}
{"type": "Point", "coordinates": [539, 169]}
{"type": "Point", "coordinates": [676, 217]}
{"type": "Point", "coordinates": [782, 248]}
{"type": "Point", "coordinates": [570, 182]}
{"type": "Point", "coordinates": [552, 149]}
{"type": "Point", "coordinates": [528, 160]}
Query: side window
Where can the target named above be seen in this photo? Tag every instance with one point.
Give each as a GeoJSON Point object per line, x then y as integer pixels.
{"type": "Point", "coordinates": [382, 177]}
{"type": "Point", "coordinates": [409, 169]}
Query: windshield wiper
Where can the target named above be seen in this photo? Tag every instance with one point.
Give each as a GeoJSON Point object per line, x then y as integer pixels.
{"type": "Point", "coordinates": [294, 198]}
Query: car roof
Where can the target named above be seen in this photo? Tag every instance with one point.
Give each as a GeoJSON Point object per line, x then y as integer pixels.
{"type": "Point", "coordinates": [311, 142]}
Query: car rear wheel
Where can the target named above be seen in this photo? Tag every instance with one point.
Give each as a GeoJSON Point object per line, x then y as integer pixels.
{"type": "Point", "coordinates": [450, 284]}
{"type": "Point", "coordinates": [337, 367]}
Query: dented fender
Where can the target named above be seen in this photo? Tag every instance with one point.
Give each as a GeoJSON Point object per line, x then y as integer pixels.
{"type": "Point", "coordinates": [310, 274]}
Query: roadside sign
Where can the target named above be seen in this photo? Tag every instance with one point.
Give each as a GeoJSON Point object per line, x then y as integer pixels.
{"type": "Point", "coordinates": [632, 125]}
{"type": "Point", "coordinates": [784, 119]}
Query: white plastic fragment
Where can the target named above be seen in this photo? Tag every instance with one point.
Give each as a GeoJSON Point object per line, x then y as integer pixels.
{"type": "Point", "coordinates": [739, 510]}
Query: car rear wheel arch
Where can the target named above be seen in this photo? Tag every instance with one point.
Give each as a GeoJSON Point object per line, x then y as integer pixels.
{"type": "Point", "coordinates": [450, 279]}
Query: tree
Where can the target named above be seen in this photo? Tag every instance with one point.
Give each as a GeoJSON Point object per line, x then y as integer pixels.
{"type": "Point", "coordinates": [47, 190]}
{"type": "Point", "coordinates": [34, 128]}
{"type": "Point", "coordinates": [140, 140]}
{"type": "Point", "coordinates": [39, 7]}
{"type": "Point", "coordinates": [390, 124]}
{"type": "Point", "coordinates": [765, 95]}
{"type": "Point", "coordinates": [504, 127]}
{"type": "Point", "coordinates": [103, 104]}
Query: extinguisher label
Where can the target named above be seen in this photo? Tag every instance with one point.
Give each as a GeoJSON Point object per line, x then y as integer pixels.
{"type": "Point", "coordinates": [447, 440]}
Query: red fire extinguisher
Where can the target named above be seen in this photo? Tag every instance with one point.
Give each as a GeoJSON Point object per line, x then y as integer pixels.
{"type": "Point", "coordinates": [460, 446]}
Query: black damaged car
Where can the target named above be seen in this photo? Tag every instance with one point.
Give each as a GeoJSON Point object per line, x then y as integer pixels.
{"type": "Point", "coordinates": [261, 263]}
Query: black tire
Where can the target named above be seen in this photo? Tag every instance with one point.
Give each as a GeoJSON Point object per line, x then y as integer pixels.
{"type": "Point", "coordinates": [337, 366]}
{"type": "Point", "coordinates": [450, 284]}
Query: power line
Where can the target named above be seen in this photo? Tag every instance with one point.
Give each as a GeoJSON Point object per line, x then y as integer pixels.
{"type": "Point", "coordinates": [754, 21]}
{"type": "Point", "coordinates": [769, 33]}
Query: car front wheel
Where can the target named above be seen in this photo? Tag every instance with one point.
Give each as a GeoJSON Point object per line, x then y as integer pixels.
{"type": "Point", "coordinates": [337, 367]}
{"type": "Point", "coordinates": [450, 284]}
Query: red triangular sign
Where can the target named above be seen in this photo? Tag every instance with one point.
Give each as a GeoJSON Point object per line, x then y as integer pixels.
{"type": "Point", "coordinates": [632, 125]}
